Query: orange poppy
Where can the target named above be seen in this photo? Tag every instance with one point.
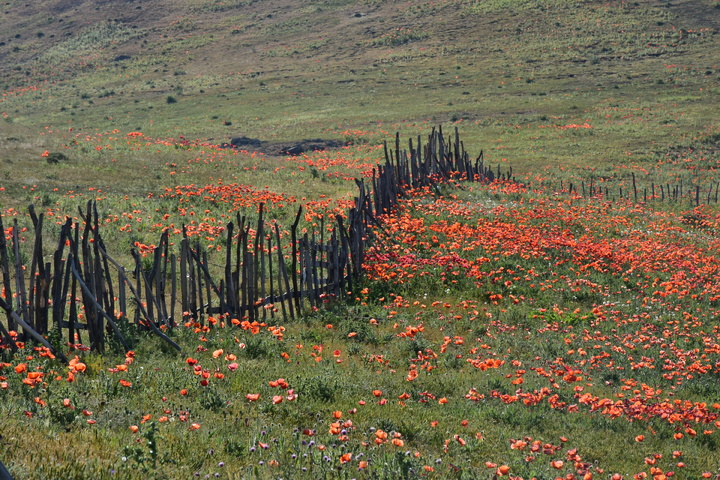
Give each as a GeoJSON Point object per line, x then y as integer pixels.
{"type": "Point", "coordinates": [76, 365]}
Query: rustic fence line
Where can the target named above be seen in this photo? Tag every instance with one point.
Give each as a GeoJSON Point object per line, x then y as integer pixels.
{"type": "Point", "coordinates": [442, 159]}
{"type": "Point", "coordinates": [86, 293]}
{"type": "Point", "coordinates": [695, 195]}
{"type": "Point", "coordinates": [84, 296]}
{"type": "Point", "coordinates": [425, 165]}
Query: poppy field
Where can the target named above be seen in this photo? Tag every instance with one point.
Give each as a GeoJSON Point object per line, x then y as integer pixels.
{"type": "Point", "coordinates": [506, 329]}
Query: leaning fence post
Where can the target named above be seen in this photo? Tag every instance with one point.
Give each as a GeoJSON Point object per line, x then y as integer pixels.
{"type": "Point", "coordinates": [4, 266]}
{"type": "Point", "coordinates": [30, 331]}
{"type": "Point", "coordinates": [293, 239]}
{"type": "Point", "coordinates": [20, 277]}
{"type": "Point", "coordinates": [282, 269]}
{"type": "Point", "coordinates": [173, 294]}
{"type": "Point", "coordinates": [184, 289]}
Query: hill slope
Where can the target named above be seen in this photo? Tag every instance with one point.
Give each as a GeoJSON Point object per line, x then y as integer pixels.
{"type": "Point", "coordinates": [279, 70]}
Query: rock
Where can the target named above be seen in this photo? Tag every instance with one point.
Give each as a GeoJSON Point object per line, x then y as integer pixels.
{"type": "Point", "coordinates": [246, 142]}
{"type": "Point", "coordinates": [282, 148]}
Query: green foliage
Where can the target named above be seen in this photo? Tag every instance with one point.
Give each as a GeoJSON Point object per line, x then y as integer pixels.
{"type": "Point", "coordinates": [56, 157]}
{"type": "Point", "coordinates": [217, 6]}
{"type": "Point", "coordinates": [399, 36]}
{"type": "Point", "coordinates": [145, 456]}
{"type": "Point", "coordinates": [211, 399]}
{"type": "Point", "coordinates": [324, 386]}
{"type": "Point", "coordinates": [259, 347]}
{"type": "Point", "coordinates": [89, 41]}
{"type": "Point", "coordinates": [486, 7]}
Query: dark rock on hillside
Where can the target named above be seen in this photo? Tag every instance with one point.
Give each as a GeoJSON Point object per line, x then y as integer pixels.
{"type": "Point", "coordinates": [241, 142]}
{"type": "Point", "coordinates": [283, 148]}
{"type": "Point", "coordinates": [309, 145]}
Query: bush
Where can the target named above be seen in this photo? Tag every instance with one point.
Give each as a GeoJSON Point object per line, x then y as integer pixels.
{"type": "Point", "coordinates": [56, 157]}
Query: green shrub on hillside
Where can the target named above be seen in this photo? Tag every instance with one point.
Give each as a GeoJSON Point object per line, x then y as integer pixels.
{"type": "Point", "coordinates": [89, 42]}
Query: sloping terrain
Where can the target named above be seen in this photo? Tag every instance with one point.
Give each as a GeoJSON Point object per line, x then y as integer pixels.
{"type": "Point", "coordinates": [285, 67]}
{"type": "Point", "coordinates": [599, 87]}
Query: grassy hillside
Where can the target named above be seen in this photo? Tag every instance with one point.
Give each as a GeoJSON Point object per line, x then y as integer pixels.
{"type": "Point", "coordinates": [640, 74]}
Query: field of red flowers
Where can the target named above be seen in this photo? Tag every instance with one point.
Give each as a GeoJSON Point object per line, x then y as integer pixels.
{"type": "Point", "coordinates": [613, 304]}
{"type": "Point", "coordinates": [503, 330]}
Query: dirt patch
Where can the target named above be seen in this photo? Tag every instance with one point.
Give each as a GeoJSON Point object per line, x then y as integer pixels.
{"type": "Point", "coordinates": [283, 148]}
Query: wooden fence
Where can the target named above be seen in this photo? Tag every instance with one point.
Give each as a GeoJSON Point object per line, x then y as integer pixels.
{"type": "Point", "coordinates": [694, 195]}
{"type": "Point", "coordinates": [84, 296]}
{"type": "Point", "coordinates": [439, 160]}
